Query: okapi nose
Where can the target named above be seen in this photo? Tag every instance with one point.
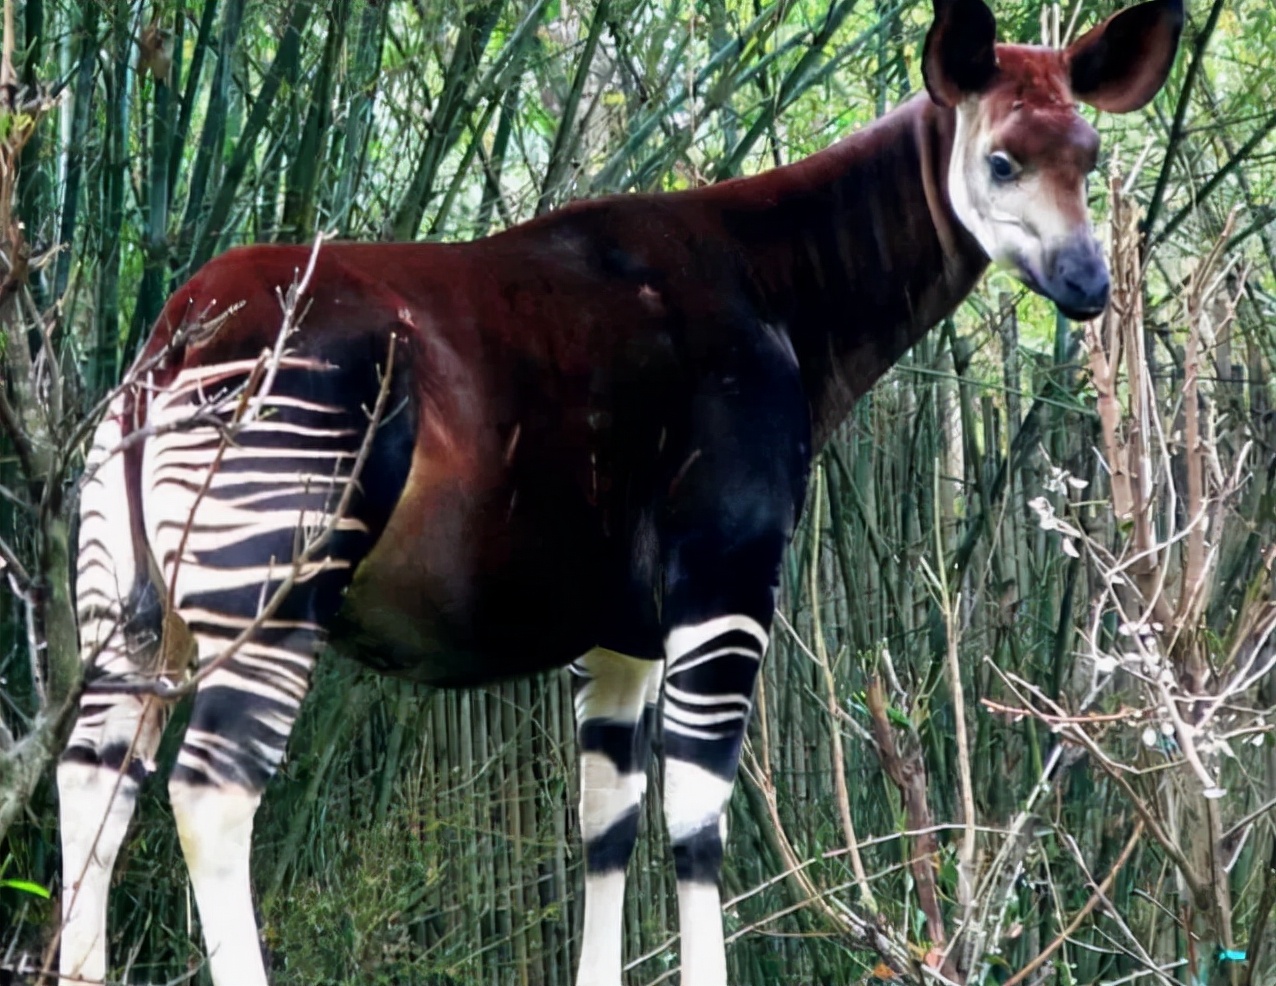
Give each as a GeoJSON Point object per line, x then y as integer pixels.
{"type": "Point", "coordinates": [1078, 281]}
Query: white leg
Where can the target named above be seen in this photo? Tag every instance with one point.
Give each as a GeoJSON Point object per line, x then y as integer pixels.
{"type": "Point", "coordinates": [704, 954]}
{"type": "Point", "coordinates": [615, 706]}
{"type": "Point", "coordinates": [695, 813]}
{"type": "Point", "coordinates": [601, 933]}
{"type": "Point", "coordinates": [98, 778]}
{"type": "Point", "coordinates": [215, 825]}
{"type": "Point", "coordinates": [96, 804]}
{"type": "Point", "coordinates": [115, 733]}
{"type": "Point", "coordinates": [233, 744]}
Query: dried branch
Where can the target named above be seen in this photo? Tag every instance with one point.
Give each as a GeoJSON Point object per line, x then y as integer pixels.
{"type": "Point", "coordinates": [1103, 343]}
{"type": "Point", "coordinates": [1114, 771]}
{"type": "Point", "coordinates": [909, 776]}
{"type": "Point", "coordinates": [948, 606]}
{"type": "Point", "coordinates": [873, 935]}
{"type": "Point", "coordinates": [1100, 893]}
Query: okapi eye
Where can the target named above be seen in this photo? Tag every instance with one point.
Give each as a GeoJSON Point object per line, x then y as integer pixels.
{"type": "Point", "coordinates": [1003, 166]}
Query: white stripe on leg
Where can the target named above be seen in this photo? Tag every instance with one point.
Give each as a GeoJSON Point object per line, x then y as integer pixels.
{"type": "Point", "coordinates": [110, 750]}
{"type": "Point", "coordinates": [600, 948]}
{"type": "Point", "coordinates": [683, 639]}
{"type": "Point", "coordinates": [710, 672]}
{"type": "Point", "coordinates": [215, 825]}
{"type": "Point", "coordinates": [606, 794]}
{"type": "Point", "coordinates": [694, 800]}
{"type": "Point", "coordinates": [695, 812]}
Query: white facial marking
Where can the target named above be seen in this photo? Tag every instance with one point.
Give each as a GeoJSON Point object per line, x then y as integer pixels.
{"type": "Point", "coordinates": [1018, 222]}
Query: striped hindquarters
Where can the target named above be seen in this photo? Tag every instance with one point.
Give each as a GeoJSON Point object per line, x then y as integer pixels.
{"type": "Point", "coordinates": [107, 586]}
{"type": "Point", "coordinates": [235, 512]}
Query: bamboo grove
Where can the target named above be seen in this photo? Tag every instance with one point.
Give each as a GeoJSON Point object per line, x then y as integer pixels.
{"type": "Point", "coordinates": [1017, 717]}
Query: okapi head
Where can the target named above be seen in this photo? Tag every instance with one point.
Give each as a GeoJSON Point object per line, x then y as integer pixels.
{"type": "Point", "coordinates": [1021, 151]}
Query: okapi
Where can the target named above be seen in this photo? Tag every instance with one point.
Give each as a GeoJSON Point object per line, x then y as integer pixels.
{"type": "Point", "coordinates": [597, 431]}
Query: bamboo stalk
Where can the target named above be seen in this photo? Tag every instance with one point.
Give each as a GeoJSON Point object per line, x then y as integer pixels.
{"type": "Point", "coordinates": [567, 136]}
{"type": "Point", "coordinates": [1095, 899]}
{"type": "Point", "coordinates": [300, 212]}
{"type": "Point", "coordinates": [212, 130]}
{"type": "Point", "coordinates": [849, 837]}
{"type": "Point", "coordinates": [448, 115]}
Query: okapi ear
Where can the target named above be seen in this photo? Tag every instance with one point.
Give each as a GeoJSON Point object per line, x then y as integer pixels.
{"type": "Point", "coordinates": [1121, 64]}
{"type": "Point", "coordinates": [960, 56]}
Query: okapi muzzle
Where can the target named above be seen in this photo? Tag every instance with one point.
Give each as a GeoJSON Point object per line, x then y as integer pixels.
{"type": "Point", "coordinates": [1076, 277]}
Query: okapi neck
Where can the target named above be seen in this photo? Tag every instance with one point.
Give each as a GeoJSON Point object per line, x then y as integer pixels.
{"type": "Point", "coordinates": [857, 252]}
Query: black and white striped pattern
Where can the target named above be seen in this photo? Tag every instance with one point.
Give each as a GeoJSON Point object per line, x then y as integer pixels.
{"type": "Point", "coordinates": [118, 614]}
{"type": "Point", "coordinates": [107, 572]}
{"type": "Point", "coordinates": [711, 668]}
{"type": "Point", "coordinates": [709, 680]}
{"type": "Point", "coordinates": [225, 517]}
{"type": "Point", "coordinates": [116, 732]}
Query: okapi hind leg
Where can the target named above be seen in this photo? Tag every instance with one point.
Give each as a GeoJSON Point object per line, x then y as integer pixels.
{"type": "Point", "coordinates": [116, 731]}
{"type": "Point", "coordinates": [228, 544]}
{"type": "Point", "coordinates": [235, 742]}
{"type": "Point", "coordinates": [616, 700]}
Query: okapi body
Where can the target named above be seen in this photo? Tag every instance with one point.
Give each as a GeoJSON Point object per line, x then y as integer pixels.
{"type": "Point", "coordinates": [582, 441]}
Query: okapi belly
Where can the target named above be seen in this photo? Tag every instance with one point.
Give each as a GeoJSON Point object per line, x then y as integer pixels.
{"type": "Point", "coordinates": [460, 590]}
{"type": "Point", "coordinates": [492, 636]}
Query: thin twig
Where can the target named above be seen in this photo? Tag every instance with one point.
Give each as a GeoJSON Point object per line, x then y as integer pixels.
{"type": "Point", "coordinates": [1095, 899]}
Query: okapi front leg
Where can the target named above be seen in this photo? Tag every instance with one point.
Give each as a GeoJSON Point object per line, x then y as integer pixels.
{"type": "Point", "coordinates": [711, 668]}
{"type": "Point", "coordinates": [616, 700]}
{"type": "Point", "coordinates": [731, 510]}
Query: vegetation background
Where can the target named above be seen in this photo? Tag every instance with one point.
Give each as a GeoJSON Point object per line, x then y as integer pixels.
{"type": "Point", "coordinates": [1016, 721]}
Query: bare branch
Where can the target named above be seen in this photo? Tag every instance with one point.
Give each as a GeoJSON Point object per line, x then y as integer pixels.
{"type": "Point", "coordinates": [1100, 892]}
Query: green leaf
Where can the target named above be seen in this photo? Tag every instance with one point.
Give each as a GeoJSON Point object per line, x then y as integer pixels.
{"type": "Point", "coordinates": [26, 886]}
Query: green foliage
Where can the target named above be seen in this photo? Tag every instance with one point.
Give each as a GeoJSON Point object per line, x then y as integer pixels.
{"type": "Point", "coordinates": [354, 923]}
